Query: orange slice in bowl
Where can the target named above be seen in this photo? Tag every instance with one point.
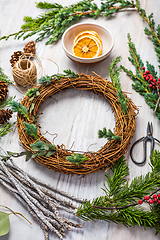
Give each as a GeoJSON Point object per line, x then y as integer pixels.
{"type": "Point", "coordinates": [87, 46]}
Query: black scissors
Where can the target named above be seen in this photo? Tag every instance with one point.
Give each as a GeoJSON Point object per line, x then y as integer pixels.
{"type": "Point", "coordinates": [150, 138]}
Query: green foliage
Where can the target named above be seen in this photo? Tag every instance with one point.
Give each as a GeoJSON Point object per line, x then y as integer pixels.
{"type": "Point", "coordinates": [6, 129]}
{"type": "Point", "coordinates": [57, 18]}
{"type": "Point", "coordinates": [3, 77]}
{"type": "Point", "coordinates": [114, 73]}
{"type": "Point", "coordinates": [32, 93]}
{"type": "Point", "coordinates": [48, 79]}
{"type": "Point", "coordinates": [140, 84]}
{"type": "Point", "coordinates": [151, 31]}
{"type": "Point", "coordinates": [76, 158]}
{"type": "Point", "coordinates": [16, 155]}
{"type": "Point", "coordinates": [120, 202]}
{"type": "Point", "coordinates": [108, 134]}
{"type": "Point", "coordinates": [42, 149]}
{"type": "Point", "coordinates": [5, 103]}
{"type": "Point", "coordinates": [31, 129]}
{"type": "Point", "coordinates": [17, 107]}
{"type": "Point", "coordinates": [5, 222]}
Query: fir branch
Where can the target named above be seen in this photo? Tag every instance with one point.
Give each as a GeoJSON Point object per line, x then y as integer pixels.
{"type": "Point", "coordinates": [76, 158]}
{"type": "Point", "coordinates": [108, 134]}
{"type": "Point", "coordinates": [114, 73]}
{"type": "Point", "coordinates": [57, 18]}
{"type": "Point", "coordinates": [17, 107]}
{"type": "Point", "coordinates": [120, 203]}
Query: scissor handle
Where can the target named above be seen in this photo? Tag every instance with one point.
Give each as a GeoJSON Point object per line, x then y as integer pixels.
{"type": "Point", "coordinates": [144, 139]}
{"type": "Point", "coordinates": [144, 150]}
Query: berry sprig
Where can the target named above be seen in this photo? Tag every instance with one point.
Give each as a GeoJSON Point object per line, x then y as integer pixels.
{"type": "Point", "coordinates": [150, 200]}
{"type": "Point", "coordinates": [153, 82]}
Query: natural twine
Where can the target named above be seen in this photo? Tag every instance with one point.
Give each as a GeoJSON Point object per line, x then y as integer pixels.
{"type": "Point", "coordinates": [25, 71]}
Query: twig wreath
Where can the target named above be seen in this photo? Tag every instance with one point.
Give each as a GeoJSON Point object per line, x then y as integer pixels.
{"type": "Point", "coordinates": [94, 161]}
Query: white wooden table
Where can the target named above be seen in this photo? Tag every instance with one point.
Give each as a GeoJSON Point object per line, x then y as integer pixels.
{"type": "Point", "coordinates": [76, 116]}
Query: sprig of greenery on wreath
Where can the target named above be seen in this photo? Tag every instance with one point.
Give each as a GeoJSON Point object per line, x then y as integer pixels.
{"type": "Point", "coordinates": [122, 202]}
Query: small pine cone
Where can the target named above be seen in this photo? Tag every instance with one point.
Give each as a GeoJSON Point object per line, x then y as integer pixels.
{"type": "Point", "coordinates": [5, 115]}
{"type": "Point", "coordinates": [30, 47]}
{"type": "Point", "coordinates": [15, 57]}
{"type": "Point", "coordinates": [3, 90]}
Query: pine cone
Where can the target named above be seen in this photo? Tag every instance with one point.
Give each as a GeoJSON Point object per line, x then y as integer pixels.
{"type": "Point", "coordinates": [5, 115]}
{"type": "Point", "coordinates": [30, 47]}
{"type": "Point", "coordinates": [3, 90]}
{"type": "Point", "coordinates": [15, 57]}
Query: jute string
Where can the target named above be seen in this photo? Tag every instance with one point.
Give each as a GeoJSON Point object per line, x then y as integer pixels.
{"type": "Point", "coordinates": [25, 71]}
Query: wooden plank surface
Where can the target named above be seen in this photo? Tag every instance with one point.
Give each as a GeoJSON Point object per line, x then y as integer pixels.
{"type": "Point", "coordinates": [76, 116]}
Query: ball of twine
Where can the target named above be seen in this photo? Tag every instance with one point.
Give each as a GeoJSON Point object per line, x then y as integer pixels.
{"type": "Point", "coordinates": [24, 72]}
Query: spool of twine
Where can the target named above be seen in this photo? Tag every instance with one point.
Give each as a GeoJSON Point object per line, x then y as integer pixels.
{"type": "Point", "coordinates": [24, 72]}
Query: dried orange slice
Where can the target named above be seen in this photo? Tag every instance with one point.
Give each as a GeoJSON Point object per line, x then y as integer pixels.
{"type": "Point", "coordinates": [86, 33]}
{"type": "Point", "coordinates": [87, 44]}
{"type": "Point", "coordinates": [86, 47]}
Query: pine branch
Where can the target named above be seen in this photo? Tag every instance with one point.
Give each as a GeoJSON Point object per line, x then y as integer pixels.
{"type": "Point", "coordinates": [57, 18]}
{"type": "Point", "coordinates": [120, 203]}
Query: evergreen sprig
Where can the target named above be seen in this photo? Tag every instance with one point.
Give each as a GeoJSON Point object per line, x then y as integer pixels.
{"type": "Point", "coordinates": [48, 79]}
{"type": "Point", "coordinates": [140, 85]}
{"type": "Point", "coordinates": [6, 129]}
{"type": "Point", "coordinates": [4, 77]}
{"type": "Point", "coordinates": [120, 203]}
{"type": "Point", "coordinates": [151, 31]}
{"type": "Point", "coordinates": [57, 18]}
{"type": "Point", "coordinates": [5, 102]}
{"type": "Point", "coordinates": [31, 129]}
{"type": "Point", "coordinates": [17, 107]}
{"type": "Point", "coordinates": [76, 158]}
{"type": "Point", "coordinates": [108, 134]}
{"type": "Point", "coordinates": [114, 73]}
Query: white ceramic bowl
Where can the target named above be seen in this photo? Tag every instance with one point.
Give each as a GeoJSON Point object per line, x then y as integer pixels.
{"type": "Point", "coordinates": [70, 33]}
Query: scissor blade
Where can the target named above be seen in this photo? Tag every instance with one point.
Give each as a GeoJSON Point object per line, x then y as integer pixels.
{"type": "Point", "coordinates": [149, 129]}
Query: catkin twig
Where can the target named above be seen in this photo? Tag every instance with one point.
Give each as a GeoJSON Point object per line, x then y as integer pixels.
{"type": "Point", "coordinates": [41, 200]}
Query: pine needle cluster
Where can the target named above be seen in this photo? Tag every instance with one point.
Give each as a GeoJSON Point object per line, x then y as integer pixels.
{"type": "Point", "coordinates": [120, 202]}
{"type": "Point", "coordinates": [57, 18]}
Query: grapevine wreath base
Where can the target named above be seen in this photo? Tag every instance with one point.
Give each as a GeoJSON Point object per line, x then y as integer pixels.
{"type": "Point", "coordinates": [104, 157]}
